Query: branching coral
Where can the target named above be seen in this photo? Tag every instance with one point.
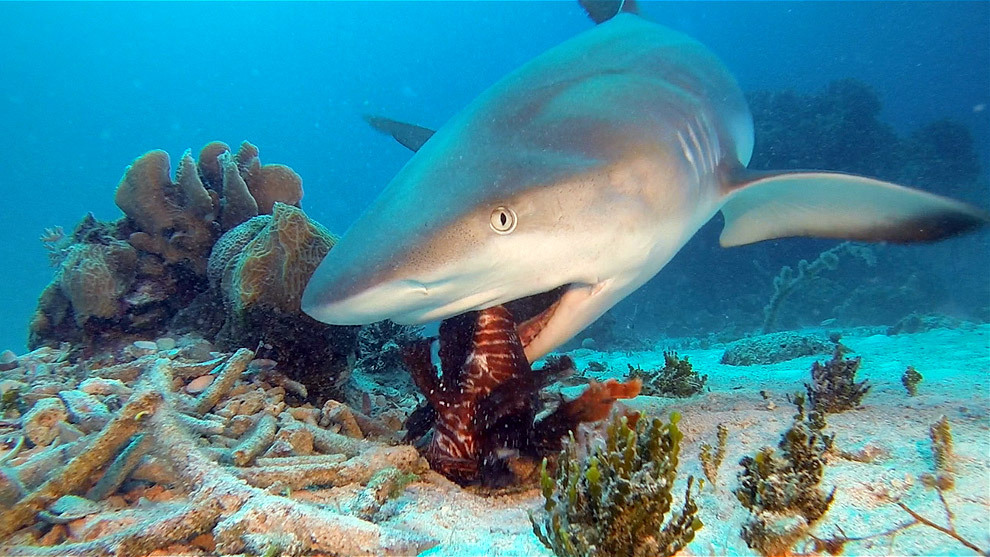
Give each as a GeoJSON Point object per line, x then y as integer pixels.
{"type": "Point", "coordinates": [614, 500]}
{"type": "Point", "coordinates": [781, 489]}
{"type": "Point", "coordinates": [676, 378]}
{"type": "Point", "coordinates": [833, 385]}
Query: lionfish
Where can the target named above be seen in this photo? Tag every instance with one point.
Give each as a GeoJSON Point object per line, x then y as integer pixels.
{"type": "Point", "coordinates": [483, 404]}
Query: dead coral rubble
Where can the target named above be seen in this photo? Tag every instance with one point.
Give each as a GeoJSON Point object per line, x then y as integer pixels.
{"type": "Point", "coordinates": [176, 472]}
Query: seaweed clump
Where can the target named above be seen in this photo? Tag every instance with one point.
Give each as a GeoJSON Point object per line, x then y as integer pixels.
{"type": "Point", "coordinates": [833, 385]}
{"type": "Point", "coordinates": [781, 490]}
{"type": "Point", "coordinates": [675, 379]}
{"type": "Point", "coordinates": [910, 380]}
{"type": "Point", "coordinates": [613, 501]}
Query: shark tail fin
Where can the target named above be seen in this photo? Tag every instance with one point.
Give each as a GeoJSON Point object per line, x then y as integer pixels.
{"type": "Point", "coordinates": [601, 11]}
{"type": "Point", "coordinates": [763, 206]}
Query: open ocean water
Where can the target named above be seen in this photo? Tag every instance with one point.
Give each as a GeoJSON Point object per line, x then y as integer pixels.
{"type": "Point", "coordinates": [895, 90]}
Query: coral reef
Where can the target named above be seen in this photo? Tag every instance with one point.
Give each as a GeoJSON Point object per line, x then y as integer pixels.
{"type": "Point", "coordinates": [910, 380]}
{"type": "Point", "coordinates": [675, 379]}
{"type": "Point", "coordinates": [614, 499]}
{"type": "Point", "coordinates": [128, 279]}
{"type": "Point", "coordinates": [917, 323]}
{"type": "Point", "coordinates": [781, 491]}
{"type": "Point", "coordinates": [187, 473]}
{"type": "Point", "coordinates": [484, 403]}
{"type": "Point", "coordinates": [165, 269]}
{"type": "Point", "coordinates": [833, 385]}
{"type": "Point", "coordinates": [774, 348]}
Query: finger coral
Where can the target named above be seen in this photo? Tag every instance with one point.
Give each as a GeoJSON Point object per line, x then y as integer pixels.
{"type": "Point", "coordinates": [156, 478]}
{"type": "Point", "coordinates": [614, 500]}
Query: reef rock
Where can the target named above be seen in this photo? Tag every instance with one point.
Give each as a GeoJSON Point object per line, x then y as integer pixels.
{"type": "Point", "coordinates": [773, 348]}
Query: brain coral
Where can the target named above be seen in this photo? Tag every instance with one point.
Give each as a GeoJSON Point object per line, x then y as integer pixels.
{"type": "Point", "coordinates": [270, 259]}
{"type": "Point", "coordinates": [94, 277]}
{"type": "Point", "coordinates": [260, 269]}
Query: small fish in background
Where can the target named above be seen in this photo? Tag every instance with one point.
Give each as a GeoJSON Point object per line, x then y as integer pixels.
{"type": "Point", "coordinates": [577, 177]}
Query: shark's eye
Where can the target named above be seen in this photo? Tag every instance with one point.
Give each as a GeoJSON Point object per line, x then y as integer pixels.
{"type": "Point", "coordinates": [503, 220]}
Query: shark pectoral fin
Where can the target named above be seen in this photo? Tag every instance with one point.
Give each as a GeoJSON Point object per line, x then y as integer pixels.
{"type": "Point", "coordinates": [764, 206]}
{"type": "Point", "coordinates": [410, 136]}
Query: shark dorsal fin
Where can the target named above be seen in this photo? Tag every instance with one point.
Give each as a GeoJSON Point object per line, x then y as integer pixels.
{"type": "Point", "coordinates": [601, 11]}
{"type": "Point", "coordinates": [410, 136]}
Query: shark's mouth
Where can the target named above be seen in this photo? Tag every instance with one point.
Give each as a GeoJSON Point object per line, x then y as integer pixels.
{"type": "Point", "coordinates": [532, 313]}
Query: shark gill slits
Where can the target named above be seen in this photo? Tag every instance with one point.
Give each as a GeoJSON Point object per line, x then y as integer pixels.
{"type": "Point", "coordinates": [503, 220]}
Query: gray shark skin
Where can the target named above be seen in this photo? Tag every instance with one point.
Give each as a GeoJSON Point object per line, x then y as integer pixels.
{"type": "Point", "coordinates": [588, 168]}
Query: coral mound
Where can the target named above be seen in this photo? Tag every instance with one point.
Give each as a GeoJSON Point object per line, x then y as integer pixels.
{"type": "Point", "coordinates": [164, 269]}
{"type": "Point", "coordinates": [259, 270]}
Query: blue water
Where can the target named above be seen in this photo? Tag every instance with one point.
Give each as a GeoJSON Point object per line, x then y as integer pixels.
{"type": "Point", "coordinates": [85, 88]}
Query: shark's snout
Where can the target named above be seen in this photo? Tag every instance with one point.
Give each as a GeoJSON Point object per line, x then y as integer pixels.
{"type": "Point", "coordinates": [332, 300]}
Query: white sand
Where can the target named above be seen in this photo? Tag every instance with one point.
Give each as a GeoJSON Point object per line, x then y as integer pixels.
{"type": "Point", "coordinates": [956, 369]}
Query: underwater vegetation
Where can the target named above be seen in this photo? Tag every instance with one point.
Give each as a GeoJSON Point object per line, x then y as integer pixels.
{"type": "Point", "coordinates": [833, 386]}
{"type": "Point", "coordinates": [677, 378]}
{"type": "Point", "coordinates": [613, 498]}
{"type": "Point", "coordinates": [781, 489]}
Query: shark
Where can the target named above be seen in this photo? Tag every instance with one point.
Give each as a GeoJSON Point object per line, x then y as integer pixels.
{"type": "Point", "coordinates": [574, 179]}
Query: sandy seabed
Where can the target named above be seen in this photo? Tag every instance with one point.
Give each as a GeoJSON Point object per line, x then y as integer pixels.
{"type": "Point", "coordinates": [955, 365]}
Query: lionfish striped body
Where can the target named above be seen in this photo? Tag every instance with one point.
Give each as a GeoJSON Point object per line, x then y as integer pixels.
{"type": "Point", "coordinates": [486, 396]}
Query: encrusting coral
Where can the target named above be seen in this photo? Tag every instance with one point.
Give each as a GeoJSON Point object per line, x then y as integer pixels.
{"type": "Point", "coordinates": [781, 491]}
{"type": "Point", "coordinates": [613, 499]}
{"type": "Point", "coordinates": [676, 378]}
{"type": "Point", "coordinates": [185, 473]}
